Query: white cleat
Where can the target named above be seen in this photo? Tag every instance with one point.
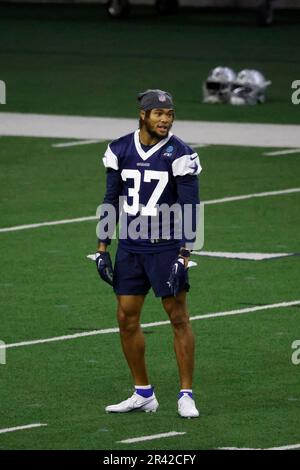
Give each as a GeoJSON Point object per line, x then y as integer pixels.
{"type": "Point", "coordinates": [135, 402]}
{"type": "Point", "coordinates": [187, 407]}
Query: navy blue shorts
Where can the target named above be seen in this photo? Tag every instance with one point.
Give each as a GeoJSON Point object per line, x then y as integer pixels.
{"type": "Point", "coordinates": [136, 273]}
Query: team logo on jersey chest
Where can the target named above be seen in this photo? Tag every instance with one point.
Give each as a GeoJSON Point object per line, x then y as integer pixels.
{"type": "Point", "coordinates": [168, 152]}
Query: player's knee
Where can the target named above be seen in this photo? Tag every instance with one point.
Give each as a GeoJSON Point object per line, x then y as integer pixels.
{"type": "Point", "coordinates": [171, 303]}
{"type": "Point", "coordinates": [128, 328]}
{"type": "Point", "coordinates": [179, 319]}
{"type": "Point", "coordinates": [127, 323]}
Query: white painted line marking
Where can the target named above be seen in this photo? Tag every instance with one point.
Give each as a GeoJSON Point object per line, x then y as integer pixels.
{"type": "Point", "coordinates": [288, 447]}
{"type": "Point", "coordinates": [93, 217]}
{"type": "Point", "coordinates": [195, 144]}
{"type": "Point", "coordinates": [250, 196]}
{"type": "Point", "coordinates": [151, 325]}
{"type": "Point", "coordinates": [76, 142]}
{"type": "Point", "coordinates": [60, 338]}
{"type": "Point", "coordinates": [282, 152]}
{"type": "Point", "coordinates": [150, 438]}
{"type": "Point", "coordinates": [46, 224]}
{"type": "Point", "coordinates": [248, 256]}
{"type": "Point", "coordinates": [239, 448]}
{"type": "Point", "coordinates": [246, 310]}
{"type": "Point", "coordinates": [21, 428]}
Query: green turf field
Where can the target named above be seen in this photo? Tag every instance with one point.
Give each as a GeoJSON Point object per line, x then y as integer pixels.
{"type": "Point", "coordinates": [245, 383]}
{"type": "Point", "coordinates": [76, 60]}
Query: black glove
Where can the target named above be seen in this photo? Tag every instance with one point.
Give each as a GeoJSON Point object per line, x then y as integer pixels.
{"type": "Point", "coordinates": [104, 266]}
{"type": "Point", "coordinates": [178, 276]}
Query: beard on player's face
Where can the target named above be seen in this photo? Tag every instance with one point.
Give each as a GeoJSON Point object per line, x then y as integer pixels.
{"type": "Point", "coordinates": [156, 130]}
{"type": "Point", "coordinates": [150, 128]}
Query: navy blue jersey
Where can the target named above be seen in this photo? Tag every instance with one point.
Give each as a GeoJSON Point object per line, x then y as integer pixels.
{"type": "Point", "coordinates": [146, 180]}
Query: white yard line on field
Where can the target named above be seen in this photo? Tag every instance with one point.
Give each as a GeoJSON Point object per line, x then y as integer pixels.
{"type": "Point", "coordinates": [288, 447]}
{"type": "Point", "coordinates": [282, 152]}
{"type": "Point", "coordinates": [153, 436]}
{"type": "Point", "coordinates": [96, 141]}
{"type": "Point", "coordinates": [76, 142]}
{"type": "Point", "coordinates": [151, 325]}
{"type": "Point", "coordinates": [254, 195]}
{"type": "Point", "coordinates": [93, 217]}
{"type": "Point", "coordinates": [239, 448]}
{"type": "Point", "coordinates": [21, 428]}
{"type": "Point", "coordinates": [247, 256]}
{"type": "Point", "coordinates": [46, 224]}
{"type": "Point", "coordinates": [197, 145]}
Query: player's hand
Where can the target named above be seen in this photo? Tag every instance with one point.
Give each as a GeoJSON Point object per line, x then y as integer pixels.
{"type": "Point", "coordinates": [104, 266]}
{"type": "Point", "coordinates": [178, 276]}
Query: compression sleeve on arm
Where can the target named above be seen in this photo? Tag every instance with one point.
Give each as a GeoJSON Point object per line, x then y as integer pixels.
{"type": "Point", "coordinates": [109, 209]}
{"type": "Point", "coordinates": [188, 198]}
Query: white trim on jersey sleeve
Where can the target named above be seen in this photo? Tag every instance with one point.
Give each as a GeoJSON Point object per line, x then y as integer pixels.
{"type": "Point", "coordinates": [110, 160]}
{"type": "Point", "coordinates": [187, 165]}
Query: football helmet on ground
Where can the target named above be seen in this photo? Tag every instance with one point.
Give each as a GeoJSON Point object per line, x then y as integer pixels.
{"type": "Point", "coordinates": [217, 86]}
{"type": "Point", "coordinates": [249, 88]}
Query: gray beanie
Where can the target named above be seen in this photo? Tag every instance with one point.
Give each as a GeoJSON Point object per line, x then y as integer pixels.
{"type": "Point", "coordinates": [151, 99]}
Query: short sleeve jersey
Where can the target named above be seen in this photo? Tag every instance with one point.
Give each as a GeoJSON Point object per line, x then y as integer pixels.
{"type": "Point", "coordinates": [148, 181]}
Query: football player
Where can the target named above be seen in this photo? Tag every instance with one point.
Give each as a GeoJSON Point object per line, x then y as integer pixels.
{"type": "Point", "coordinates": [146, 170]}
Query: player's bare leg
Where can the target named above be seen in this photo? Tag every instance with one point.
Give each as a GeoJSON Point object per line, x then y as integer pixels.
{"type": "Point", "coordinates": [184, 343]}
{"type": "Point", "coordinates": [133, 344]}
{"type": "Point", "coordinates": [132, 338]}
